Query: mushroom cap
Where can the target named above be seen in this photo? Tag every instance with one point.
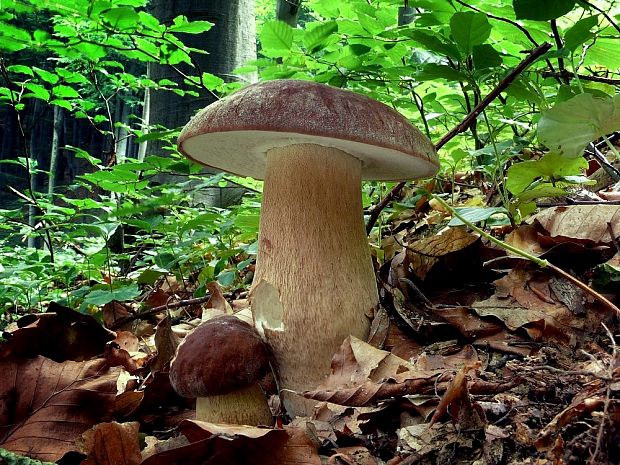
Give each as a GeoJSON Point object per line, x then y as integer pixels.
{"type": "Point", "coordinates": [235, 133]}
{"type": "Point", "coordinates": [220, 356]}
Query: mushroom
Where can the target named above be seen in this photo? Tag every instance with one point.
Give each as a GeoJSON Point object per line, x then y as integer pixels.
{"type": "Point", "coordinates": [222, 363]}
{"type": "Point", "coordinates": [314, 283]}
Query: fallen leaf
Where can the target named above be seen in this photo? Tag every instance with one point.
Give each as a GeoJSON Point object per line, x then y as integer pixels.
{"type": "Point", "coordinates": [47, 405]}
{"type": "Point", "coordinates": [111, 444]}
{"type": "Point", "coordinates": [587, 222]}
{"type": "Point", "coordinates": [217, 301]}
{"type": "Point", "coordinates": [214, 444]}
{"type": "Point", "coordinates": [456, 396]}
{"type": "Point", "coordinates": [358, 361]}
{"type": "Point", "coordinates": [166, 342]}
{"type": "Point", "coordinates": [61, 334]}
{"type": "Point", "coordinates": [426, 253]}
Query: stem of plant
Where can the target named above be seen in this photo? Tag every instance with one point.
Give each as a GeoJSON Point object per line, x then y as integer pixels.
{"type": "Point", "coordinates": [612, 147]}
{"type": "Point", "coordinates": [528, 256]}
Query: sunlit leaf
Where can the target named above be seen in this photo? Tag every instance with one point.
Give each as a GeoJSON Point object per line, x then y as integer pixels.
{"type": "Point", "coordinates": [571, 125]}
{"type": "Point", "coordinates": [276, 38]}
{"type": "Point", "coordinates": [469, 29]}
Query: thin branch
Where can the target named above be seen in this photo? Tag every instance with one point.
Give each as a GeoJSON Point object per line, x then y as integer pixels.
{"type": "Point", "coordinates": [584, 77]}
{"type": "Point", "coordinates": [559, 44]}
{"type": "Point", "coordinates": [159, 309]}
{"type": "Point", "coordinates": [524, 30]}
{"type": "Point", "coordinates": [464, 125]}
{"type": "Point", "coordinates": [604, 13]}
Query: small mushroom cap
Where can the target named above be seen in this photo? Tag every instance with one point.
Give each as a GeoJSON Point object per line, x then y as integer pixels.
{"type": "Point", "coordinates": [235, 133]}
{"type": "Point", "coordinates": [220, 356]}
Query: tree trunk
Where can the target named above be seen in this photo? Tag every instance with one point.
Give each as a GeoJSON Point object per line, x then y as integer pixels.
{"type": "Point", "coordinates": [121, 115]}
{"type": "Point", "coordinates": [55, 149]}
{"type": "Point", "coordinates": [288, 11]}
{"type": "Point", "coordinates": [230, 43]}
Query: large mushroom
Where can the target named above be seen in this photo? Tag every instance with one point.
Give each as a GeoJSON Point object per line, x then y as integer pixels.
{"type": "Point", "coordinates": [312, 144]}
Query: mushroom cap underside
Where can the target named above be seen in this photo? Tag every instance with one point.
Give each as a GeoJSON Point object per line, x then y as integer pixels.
{"type": "Point", "coordinates": [234, 134]}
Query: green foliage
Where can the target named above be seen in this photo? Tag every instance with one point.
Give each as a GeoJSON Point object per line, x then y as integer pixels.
{"type": "Point", "coordinates": [79, 55]}
{"type": "Point", "coordinates": [13, 459]}
{"type": "Point", "coordinates": [571, 125]}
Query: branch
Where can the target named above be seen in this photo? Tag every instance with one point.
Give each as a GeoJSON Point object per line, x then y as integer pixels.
{"type": "Point", "coordinates": [601, 11]}
{"type": "Point", "coordinates": [155, 310]}
{"type": "Point", "coordinates": [464, 125]}
{"type": "Point", "coordinates": [568, 75]}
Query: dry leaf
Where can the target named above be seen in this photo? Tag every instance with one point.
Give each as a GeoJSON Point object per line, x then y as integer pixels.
{"type": "Point", "coordinates": [111, 444]}
{"type": "Point", "coordinates": [47, 405]}
{"type": "Point", "coordinates": [63, 334]}
{"type": "Point", "coordinates": [166, 342]}
{"type": "Point", "coordinates": [239, 445]}
{"type": "Point", "coordinates": [588, 222]}
{"type": "Point", "coordinates": [426, 253]}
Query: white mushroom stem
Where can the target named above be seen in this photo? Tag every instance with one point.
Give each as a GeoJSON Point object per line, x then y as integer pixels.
{"type": "Point", "coordinates": [246, 406]}
{"type": "Point", "coordinates": [314, 283]}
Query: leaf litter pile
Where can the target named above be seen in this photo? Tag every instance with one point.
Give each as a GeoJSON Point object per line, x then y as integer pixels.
{"type": "Point", "coordinates": [474, 357]}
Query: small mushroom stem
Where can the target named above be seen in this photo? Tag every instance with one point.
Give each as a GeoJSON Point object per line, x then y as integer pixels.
{"type": "Point", "coordinates": [314, 283]}
{"type": "Point", "coordinates": [246, 406]}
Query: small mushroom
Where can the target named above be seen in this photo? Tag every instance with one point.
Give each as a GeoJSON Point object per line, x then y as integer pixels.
{"type": "Point", "coordinates": [222, 363]}
{"type": "Point", "coordinates": [313, 144]}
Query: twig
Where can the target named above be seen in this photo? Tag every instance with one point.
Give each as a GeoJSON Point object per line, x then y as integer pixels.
{"type": "Point", "coordinates": [605, 416]}
{"type": "Point", "coordinates": [601, 11]}
{"type": "Point", "coordinates": [584, 77]}
{"type": "Point", "coordinates": [533, 258]}
{"type": "Point", "coordinates": [501, 86]}
{"type": "Point", "coordinates": [566, 372]}
{"type": "Point", "coordinates": [559, 44]}
{"type": "Point", "coordinates": [464, 125]}
{"type": "Point", "coordinates": [524, 30]}
{"type": "Point", "coordinates": [155, 310]}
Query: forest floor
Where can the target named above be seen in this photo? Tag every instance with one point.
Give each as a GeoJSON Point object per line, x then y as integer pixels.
{"type": "Point", "coordinates": [475, 357]}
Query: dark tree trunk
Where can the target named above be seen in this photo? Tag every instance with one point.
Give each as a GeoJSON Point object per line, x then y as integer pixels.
{"type": "Point", "coordinates": [288, 11]}
{"type": "Point", "coordinates": [55, 149]}
{"type": "Point", "coordinates": [230, 43]}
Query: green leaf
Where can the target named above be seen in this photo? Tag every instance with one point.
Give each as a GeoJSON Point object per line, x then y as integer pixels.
{"type": "Point", "coordinates": [62, 103]}
{"type": "Point", "coordinates": [46, 75]}
{"type": "Point", "coordinates": [542, 10]}
{"type": "Point", "coordinates": [433, 71]}
{"type": "Point", "coordinates": [226, 278]}
{"type": "Point", "coordinates": [71, 77]}
{"type": "Point", "coordinates": [210, 81]}
{"type": "Point", "coordinates": [580, 33]}
{"type": "Point", "coordinates": [121, 18]}
{"type": "Point", "coordinates": [37, 91]}
{"type": "Point", "coordinates": [552, 165]}
{"type": "Point", "coordinates": [485, 56]}
{"type": "Point", "coordinates": [92, 52]}
{"type": "Point", "coordinates": [181, 24]}
{"type": "Point", "coordinates": [433, 42]}
{"type": "Point", "coordinates": [316, 38]}
{"type": "Point", "coordinates": [571, 125]}
{"type": "Point", "coordinates": [469, 29]}
{"type": "Point", "coordinates": [13, 39]}
{"type": "Point", "coordinates": [276, 38]}
{"type": "Point", "coordinates": [64, 92]}
{"type": "Point", "coordinates": [21, 69]}
{"type": "Point", "coordinates": [100, 297]}
{"type": "Point", "coordinates": [475, 214]}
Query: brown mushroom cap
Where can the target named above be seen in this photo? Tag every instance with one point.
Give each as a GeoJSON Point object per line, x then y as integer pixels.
{"type": "Point", "coordinates": [220, 356]}
{"type": "Point", "coordinates": [235, 133]}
